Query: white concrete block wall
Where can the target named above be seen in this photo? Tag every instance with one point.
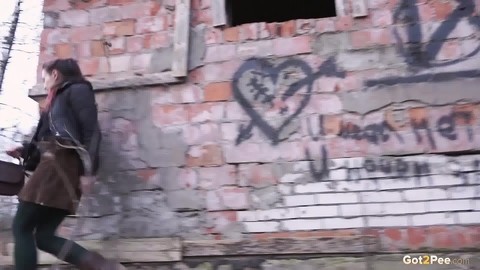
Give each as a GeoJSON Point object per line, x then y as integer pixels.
{"type": "Point", "coordinates": [447, 193]}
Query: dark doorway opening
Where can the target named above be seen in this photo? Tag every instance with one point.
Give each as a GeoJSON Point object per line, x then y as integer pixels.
{"type": "Point", "coordinates": [250, 11]}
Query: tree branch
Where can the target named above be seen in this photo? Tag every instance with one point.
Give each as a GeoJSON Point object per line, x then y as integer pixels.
{"type": "Point", "coordinates": [9, 41]}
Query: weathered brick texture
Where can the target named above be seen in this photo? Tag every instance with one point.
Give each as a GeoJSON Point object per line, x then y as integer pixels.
{"type": "Point", "coordinates": [394, 262]}
{"type": "Point", "coordinates": [289, 127]}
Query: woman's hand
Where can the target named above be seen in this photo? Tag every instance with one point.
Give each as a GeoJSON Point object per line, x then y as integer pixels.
{"type": "Point", "coordinates": [16, 152]}
{"type": "Point", "coordinates": [86, 183]}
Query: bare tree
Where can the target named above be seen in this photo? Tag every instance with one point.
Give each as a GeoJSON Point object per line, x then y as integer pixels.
{"type": "Point", "coordinates": [8, 42]}
{"type": "Point", "coordinates": [18, 32]}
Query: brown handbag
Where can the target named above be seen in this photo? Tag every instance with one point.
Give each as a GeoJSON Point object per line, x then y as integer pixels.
{"type": "Point", "coordinates": [12, 178]}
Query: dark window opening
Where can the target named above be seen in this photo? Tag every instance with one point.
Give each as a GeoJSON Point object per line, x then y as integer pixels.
{"type": "Point", "coordinates": [250, 11]}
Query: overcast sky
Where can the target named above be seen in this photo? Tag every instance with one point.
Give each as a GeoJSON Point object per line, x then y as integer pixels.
{"type": "Point", "coordinates": [21, 71]}
{"type": "Point", "coordinates": [16, 109]}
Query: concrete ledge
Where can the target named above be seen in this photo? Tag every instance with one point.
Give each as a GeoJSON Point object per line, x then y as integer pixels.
{"type": "Point", "coordinates": [281, 246]}
{"type": "Point", "coordinates": [463, 261]}
{"type": "Point", "coordinates": [124, 250]}
{"type": "Point", "coordinates": [155, 250]}
{"type": "Point", "coordinates": [361, 245]}
{"type": "Point", "coordinates": [115, 81]}
{"type": "Point", "coordinates": [425, 93]}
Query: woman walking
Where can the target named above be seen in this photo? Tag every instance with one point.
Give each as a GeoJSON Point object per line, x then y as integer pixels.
{"type": "Point", "coordinates": [68, 120]}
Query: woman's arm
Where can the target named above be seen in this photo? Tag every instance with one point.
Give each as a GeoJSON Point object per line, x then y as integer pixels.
{"type": "Point", "coordinates": [82, 102]}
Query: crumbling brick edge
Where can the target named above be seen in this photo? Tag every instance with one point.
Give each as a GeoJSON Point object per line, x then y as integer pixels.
{"type": "Point", "coordinates": [120, 82]}
{"type": "Point", "coordinates": [308, 244]}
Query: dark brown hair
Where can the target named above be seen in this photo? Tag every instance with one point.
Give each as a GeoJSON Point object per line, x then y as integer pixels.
{"type": "Point", "coordinates": [68, 71]}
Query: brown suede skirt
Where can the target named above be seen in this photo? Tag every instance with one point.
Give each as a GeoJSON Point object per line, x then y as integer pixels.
{"type": "Point", "coordinates": [56, 180]}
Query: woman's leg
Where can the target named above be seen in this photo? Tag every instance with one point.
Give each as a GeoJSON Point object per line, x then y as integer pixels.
{"type": "Point", "coordinates": [24, 223]}
{"type": "Point", "coordinates": [49, 242]}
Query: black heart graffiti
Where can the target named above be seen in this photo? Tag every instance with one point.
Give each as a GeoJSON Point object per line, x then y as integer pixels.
{"type": "Point", "coordinates": [273, 95]}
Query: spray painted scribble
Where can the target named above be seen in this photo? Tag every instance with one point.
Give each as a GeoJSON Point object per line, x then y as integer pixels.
{"type": "Point", "coordinates": [376, 133]}
{"type": "Point", "coordinates": [424, 55]}
{"type": "Point", "coordinates": [390, 167]}
{"type": "Point", "coordinates": [446, 126]}
{"type": "Point", "coordinates": [409, 33]}
{"type": "Point", "coordinates": [273, 95]}
{"type": "Point", "coordinates": [399, 168]}
{"type": "Point", "coordinates": [373, 133]}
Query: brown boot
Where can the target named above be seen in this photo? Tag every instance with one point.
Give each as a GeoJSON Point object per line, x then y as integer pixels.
{"type": "Point", "coordinates": [95, 261]}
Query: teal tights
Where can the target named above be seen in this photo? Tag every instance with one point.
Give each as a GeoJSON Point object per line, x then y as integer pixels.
{"type": "Point", "coordinates": [34, 226]}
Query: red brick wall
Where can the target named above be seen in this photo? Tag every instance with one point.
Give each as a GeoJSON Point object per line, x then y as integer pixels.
{"type": "Point", "coordinates": [223, 155]}
{"type": "Point", "coordinates": [80, 29]}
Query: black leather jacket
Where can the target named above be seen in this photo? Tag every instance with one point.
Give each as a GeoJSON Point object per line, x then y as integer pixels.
{"type": "Point", "coordinates": [73, 117]}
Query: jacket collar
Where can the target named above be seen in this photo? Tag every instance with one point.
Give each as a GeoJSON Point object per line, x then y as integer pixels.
{"type": "Point", "coordinates": [68, 83]}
